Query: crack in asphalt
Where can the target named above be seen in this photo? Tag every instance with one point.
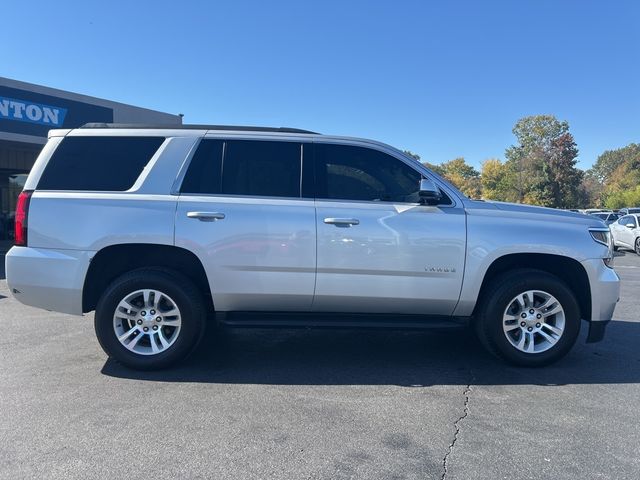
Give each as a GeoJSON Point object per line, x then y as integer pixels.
{"type": "Point", "coordinates": [456, 425]}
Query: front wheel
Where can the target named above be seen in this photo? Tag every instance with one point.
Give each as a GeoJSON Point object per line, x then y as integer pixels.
{"type": "Point", "coordinates": [528, 317]}
{"type": "Point", "coordinates": [150, 319]}
{"type": "Point", "coordinates": [638, 245]}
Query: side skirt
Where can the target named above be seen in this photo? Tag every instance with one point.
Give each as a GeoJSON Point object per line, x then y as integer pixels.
{"type": "Point", "coordinates": [337, 320]}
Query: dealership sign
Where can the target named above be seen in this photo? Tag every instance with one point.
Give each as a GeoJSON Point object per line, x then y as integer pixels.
{"type": "Point", "coordinates": [25, 111]}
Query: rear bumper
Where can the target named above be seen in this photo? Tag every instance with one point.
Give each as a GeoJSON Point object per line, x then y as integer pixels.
{"type": "Point", "coordinates": [48, 278]}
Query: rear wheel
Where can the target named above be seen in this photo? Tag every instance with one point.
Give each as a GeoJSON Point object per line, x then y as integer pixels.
{"type": "Point", "coordinates": [528, 317]}
{"type": "Point", "coordinates": [150, 319]}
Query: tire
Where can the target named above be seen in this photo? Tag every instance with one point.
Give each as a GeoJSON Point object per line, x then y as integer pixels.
{"type": "Point", "coordinates": [500, 310]}
{"type": "Point", "coordinates": [170, 333]}
{"type": "Point", "coordinates": [615, 248]}
{"type": "Point", "coordinates": [637, 246]}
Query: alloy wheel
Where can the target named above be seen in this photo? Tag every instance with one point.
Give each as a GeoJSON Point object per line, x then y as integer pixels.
{"type": "Point", "coordinates": [147, 322]}
{"type": "Point", "coordinates": [533, 321]}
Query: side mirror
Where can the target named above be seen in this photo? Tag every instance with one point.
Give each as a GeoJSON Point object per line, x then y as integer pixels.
{"type": "Point", "coordinates": [630, 225]}
{"type": "Point", "coordinates": [429, 192]}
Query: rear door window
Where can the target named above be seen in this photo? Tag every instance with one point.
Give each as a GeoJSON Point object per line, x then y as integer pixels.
{"type": "Point", "coordinates": [204, 175]}
{"type": "Point", "coordinates": [245, 167]}
{"type": "Point", "coordinates": [98, 163]}
{"type": "Point", "coordinates": [262, 168]}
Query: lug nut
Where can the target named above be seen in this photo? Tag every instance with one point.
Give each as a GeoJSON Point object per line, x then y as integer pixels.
{"type": "Point", "coordinates": [155, 327]}
{"type": "Point", "coordinates": [522, 324]}
{"type": "Point", "coordinates": [530, 328]}
{"type": "Point", "coordinates": [531, 311]}
{"type": "Point", "coordinates": [538, 325]}
{"type": "Point", "coordinates": [538, 316]}
{"type": "Point", "coordinates": [146, 329]}
{"type": "Point", "coordinates": [152, 312]}
{"type": "Point", "coordinates": [158, 319]}
{"type": "Point", "coordinates": [139, 322]}
{"type": "Point", "coordinates": [143, 313]}
{"type": "Point", "coordinates": [524, 315]}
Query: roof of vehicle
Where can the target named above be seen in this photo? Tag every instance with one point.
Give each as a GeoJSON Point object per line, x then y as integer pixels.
{"type": "Point", "coordinates": [239, 128]}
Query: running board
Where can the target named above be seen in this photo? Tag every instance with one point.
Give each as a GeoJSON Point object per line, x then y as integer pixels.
{"type": "Point", "coordinates": [338, 320]}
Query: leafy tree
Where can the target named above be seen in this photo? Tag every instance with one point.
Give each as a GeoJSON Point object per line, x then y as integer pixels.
{"type": "Point", "coordinates": [463, 176]}
{"type": "Point", "coordinates": [617, 173]}
{"type": "Point", "coordinates": [543, 163]}
{"type": "Point", "coordinates": [435, 168]}
{"type": "Point", "coordinates": [415, 156]}
{"type": "Point", "coordinates": [496, 179]}
{"type": "Point", "coordinates": [610, 160]}
{"type": "Point", "coordinates": [458, 172]}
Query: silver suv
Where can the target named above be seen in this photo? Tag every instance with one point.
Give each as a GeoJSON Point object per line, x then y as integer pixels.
{"type": "Point", "coordinates": [158, 228]}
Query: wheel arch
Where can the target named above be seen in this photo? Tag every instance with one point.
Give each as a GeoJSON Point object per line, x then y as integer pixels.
{"type": "Point", "coordinates": [112, 261]}
{"type": "Point", "coordinates": [565, 268]}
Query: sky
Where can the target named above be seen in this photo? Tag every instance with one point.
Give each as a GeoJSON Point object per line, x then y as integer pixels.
{"type": "Point", "coordinates": [443, 79]}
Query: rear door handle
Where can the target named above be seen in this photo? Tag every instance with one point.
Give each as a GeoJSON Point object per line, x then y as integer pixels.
{"type": "Point", "coordinates": [342, 222]}
{"type": "Point", "coordinates": [206, 216]}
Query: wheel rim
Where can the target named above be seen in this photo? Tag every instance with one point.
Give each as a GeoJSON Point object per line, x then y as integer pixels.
{"type": "Point", "coordinates": [147, 322]}
{"type": "Point", "coordinates": [533, 321]}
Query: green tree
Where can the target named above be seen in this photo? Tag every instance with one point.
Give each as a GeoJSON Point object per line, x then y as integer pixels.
{"type": "Point", "coordinates": [458, 172]}
{"type": "Point", "coordinates": [415, 156]}
{"type": "Point", "coordinates": [497, 181]}
{"type": "Point", "coordinates": [544, 163]}
{"type": "Point", "coordinates": [461, 174]}
{"type": "Point", "coordinates": [610, 160]}
{"type": "Point", "coordinates": [617, 176]}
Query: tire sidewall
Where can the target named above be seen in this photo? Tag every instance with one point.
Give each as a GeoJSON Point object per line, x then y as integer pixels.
{"type": "Point", "coordinates": [181, 292]}
{"type": "Point", "coordinates": [507, 288]}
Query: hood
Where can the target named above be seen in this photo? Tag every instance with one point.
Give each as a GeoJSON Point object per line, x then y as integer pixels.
{"type": "Point", "coordinates": [550, 214]}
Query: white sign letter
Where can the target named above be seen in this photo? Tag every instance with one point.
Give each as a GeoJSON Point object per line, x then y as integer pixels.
{"type": "Point", "coordinates": [34, 113]}
{"type": "Point", "coordinates": [50, 115]}
{"type": "Point", "coordinates": [18, 108]}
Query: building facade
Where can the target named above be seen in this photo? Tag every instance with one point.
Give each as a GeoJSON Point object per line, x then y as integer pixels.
{"type": "Point", "coordinates": [28, 112]}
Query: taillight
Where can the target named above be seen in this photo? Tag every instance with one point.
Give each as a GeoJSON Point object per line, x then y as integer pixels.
{"type": "Point", "coordinates": [22, 212]}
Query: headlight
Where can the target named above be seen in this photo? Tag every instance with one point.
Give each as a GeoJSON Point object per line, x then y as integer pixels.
{"type": "Point", "coordinates": [603, 237]}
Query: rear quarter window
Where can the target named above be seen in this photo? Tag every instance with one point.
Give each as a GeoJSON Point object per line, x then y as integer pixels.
{"type": "Point", "coordinates": [98, 163]}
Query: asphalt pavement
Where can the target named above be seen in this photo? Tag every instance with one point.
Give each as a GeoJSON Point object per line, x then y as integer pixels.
{"type": "Point", "coordinates": [317, 404]}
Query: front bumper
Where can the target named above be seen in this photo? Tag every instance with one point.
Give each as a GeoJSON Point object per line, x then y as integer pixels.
{"type": "Point", "coordinates": [605, 293]}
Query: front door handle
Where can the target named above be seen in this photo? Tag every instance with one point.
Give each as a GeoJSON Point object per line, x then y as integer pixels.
{"type": "Point", "coordinates": [206, 216]}
{"type": "Point", "coordinates": [342, 222]}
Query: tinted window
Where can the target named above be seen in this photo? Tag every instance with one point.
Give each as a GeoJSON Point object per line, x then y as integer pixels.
{"type": "Point", "coordinates": [354, 173]}
{"type": "Point", "coordinates": [98, 163]}
{"type": "Point", "coordinates": [261, 168]}
{"type": "Point", "coordinates": [203, 175]}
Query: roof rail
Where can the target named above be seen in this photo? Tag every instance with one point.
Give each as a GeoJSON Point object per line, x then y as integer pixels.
{"type": "Point", "coordinates": [198, 127]}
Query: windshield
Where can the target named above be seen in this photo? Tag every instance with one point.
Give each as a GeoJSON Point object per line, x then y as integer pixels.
{"type": "Point", "coordinates": [602, 216]}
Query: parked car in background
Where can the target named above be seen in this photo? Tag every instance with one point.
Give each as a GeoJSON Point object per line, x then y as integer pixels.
{"type": "Point", "coordinates": [154, 228]}
{"type": "Point", "coordinates": [627, 211]}
{"type": "Point", "coordinates": [626, 232]}
{"type": "Point", "coordinates": [595, 210]}
{"type": "Point", "coordinates": [608, 218]}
